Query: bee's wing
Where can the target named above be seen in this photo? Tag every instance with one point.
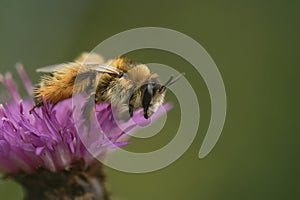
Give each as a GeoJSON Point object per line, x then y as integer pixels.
{"type": "Point", "coordinates": [102, 68]}
{"type": "Point", "coordinates": [51, 68]}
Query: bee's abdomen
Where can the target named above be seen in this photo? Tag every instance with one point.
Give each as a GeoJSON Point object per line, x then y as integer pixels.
{"type": "Point", "coordinates": [57, 86]}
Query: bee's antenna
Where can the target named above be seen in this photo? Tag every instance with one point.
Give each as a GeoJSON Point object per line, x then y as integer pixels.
{"type": "Point", "coordinates": [168, 81]}
{"type": "Point", "coordinates": [171, 81]}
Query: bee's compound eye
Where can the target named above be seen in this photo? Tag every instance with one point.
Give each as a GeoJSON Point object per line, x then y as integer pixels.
{"type": "Point", "coordinates": [146, 115]}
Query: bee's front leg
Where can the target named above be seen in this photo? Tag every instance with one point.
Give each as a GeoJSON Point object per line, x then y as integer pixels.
{"type": "Point", "coordinates": [130, 109]}
{"type": "Point", "coordinates": [121, 112]}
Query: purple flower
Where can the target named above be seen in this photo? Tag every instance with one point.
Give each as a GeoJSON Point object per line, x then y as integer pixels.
{"type": "Point", "coordinates": [49, 137]}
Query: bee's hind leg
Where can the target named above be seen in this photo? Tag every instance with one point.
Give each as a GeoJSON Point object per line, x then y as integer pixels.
{"type": "Point", "coordinates": [88, 111]}
{"type": "Point", "coordinates": [38, 104]}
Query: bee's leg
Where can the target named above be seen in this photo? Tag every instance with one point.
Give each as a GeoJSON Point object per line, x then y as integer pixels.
{"type": "Point", "coordinates": [89, 109]}
{"type": "Point", "coordinates": [130, 110]}
{"type": "Point", "coordinates": [38, 104]}
{"type": "Point", "coordinates": [131, 102]}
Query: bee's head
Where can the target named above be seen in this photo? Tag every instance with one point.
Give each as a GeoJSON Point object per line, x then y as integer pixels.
{"type": "Point", "coordinates": [153, 95]}
{"type": "Point", "coordinates": [152, 98]}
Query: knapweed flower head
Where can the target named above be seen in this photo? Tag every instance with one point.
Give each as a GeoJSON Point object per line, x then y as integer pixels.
{"type": "Point", "coordinates": [50, 137]}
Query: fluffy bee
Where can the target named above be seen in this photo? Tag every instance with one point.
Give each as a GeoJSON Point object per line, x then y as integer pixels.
{"type": "Point", "coordinates": [125, 84]}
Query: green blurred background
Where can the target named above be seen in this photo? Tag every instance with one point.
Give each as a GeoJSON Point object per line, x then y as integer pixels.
{"type": "Point", "coordinates": [256, 48]}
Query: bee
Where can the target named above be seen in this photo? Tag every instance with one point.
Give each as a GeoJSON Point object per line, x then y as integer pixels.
{"type": "Point", "coordinates": [121, 82]}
